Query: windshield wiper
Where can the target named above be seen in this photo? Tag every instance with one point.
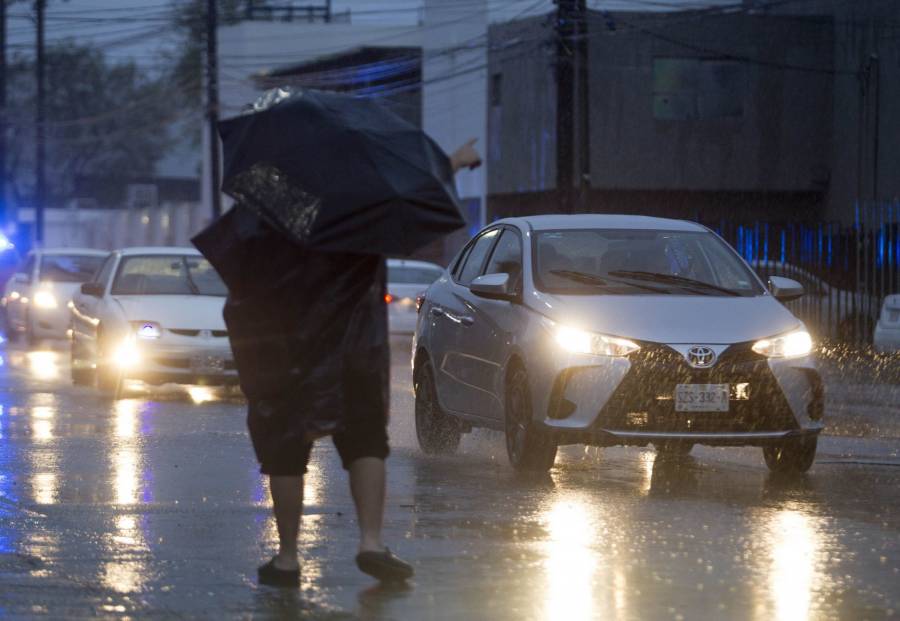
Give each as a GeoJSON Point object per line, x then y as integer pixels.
{"type": "Point", "coordinates": [593, 279]}
{"type": "Point", "coordinates": [583, 277]}
{"type": "Point", "coordinates": [673, 279]}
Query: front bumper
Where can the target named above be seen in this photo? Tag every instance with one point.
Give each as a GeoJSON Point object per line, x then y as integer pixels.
{"type": "Point", "coordinates": [886, 340]}
{"type": "Point", "coordinates": [158, 364]}
{"type": "Point", "coordinates": [631, 400]}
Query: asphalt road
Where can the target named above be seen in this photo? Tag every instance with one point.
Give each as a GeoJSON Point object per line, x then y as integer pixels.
{"type": "Point", "coordinates": [152, 507]}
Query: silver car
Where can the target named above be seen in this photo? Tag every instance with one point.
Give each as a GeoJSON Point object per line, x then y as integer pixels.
{"type": "Point", "coordinates": [605, 330]}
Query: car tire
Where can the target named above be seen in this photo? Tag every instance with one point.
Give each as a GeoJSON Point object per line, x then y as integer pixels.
{"type": "Point", "coordinates": [438, 433]}
{"type": "Point", "coordinates": [795, 455]}
{"type": "Point", "coordinates": [674, 448]}
{"type": "Point", "coordinates": [530, 449]}
{"type": "Point", "coordinates": [80, 377]}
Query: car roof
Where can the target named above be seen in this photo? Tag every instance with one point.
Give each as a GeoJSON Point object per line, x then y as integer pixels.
{"type": "Point", "coordinates": [603, 221]}
{"type": "Point", "coordinates": [88, 252]}
{"type": "Point", "coordinates": [412, 263]}
{"type": "Point", "coordinates": [162, 250]}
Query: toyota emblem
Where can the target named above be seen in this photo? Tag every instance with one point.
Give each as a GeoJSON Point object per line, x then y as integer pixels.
{"type": "Point", "coordinates": [701, 356]}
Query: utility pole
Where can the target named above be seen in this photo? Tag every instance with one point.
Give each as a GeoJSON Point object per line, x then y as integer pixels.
{"type": "Point", "coordinates": [212, 103]}
{"type": "Point", "coordinates": [571, 16]}
{"type": "Point", "coordinates": [40, 154]}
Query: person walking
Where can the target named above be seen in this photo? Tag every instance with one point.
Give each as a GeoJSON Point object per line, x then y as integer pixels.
{"type": "Point", "coordinates": [308, 329]}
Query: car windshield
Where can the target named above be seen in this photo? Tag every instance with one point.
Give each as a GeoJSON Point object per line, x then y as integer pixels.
{"type": "Point", "coordinates": [629, 262]}
{"type": "Point", "coordinates": [68, 267]}
{"type": "Point", "coordinates": [167, 275]}
{"type": "Point", "coordinates": [412, 275]}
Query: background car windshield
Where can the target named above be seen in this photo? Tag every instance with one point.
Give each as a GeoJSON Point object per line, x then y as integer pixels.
{"type": "Point", "coordinates": [412, 275]}
{"type": "Point", "coordinates": [167, 275]}
{"type": "Point", "coordinates": [68, 268]}
{"type": "Point", "coordinates": [594, 262]}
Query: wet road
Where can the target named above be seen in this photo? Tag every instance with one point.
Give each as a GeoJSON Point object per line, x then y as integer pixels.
{"type": "Point", "coordinates": [151, 507]}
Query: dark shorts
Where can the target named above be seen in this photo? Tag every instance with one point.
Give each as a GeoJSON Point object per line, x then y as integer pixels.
{"type": "Point", "coordinates": [363, 436]}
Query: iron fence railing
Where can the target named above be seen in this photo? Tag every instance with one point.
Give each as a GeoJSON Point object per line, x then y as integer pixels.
{"type": "Point", "coordinates": [847, 270]}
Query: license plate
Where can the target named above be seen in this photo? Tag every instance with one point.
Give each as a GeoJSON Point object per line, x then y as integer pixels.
{"type": "Point", "coordinates": [207, 364]}
{"type": "Point", "coordinates": [702, 397]}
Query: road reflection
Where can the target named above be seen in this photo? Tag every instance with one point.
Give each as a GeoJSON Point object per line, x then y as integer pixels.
{"type": "Point", "coordinates": [43, 365]}
{"type": "Point", "coordinates": [571, 559]}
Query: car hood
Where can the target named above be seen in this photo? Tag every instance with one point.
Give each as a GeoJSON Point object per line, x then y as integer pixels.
{"type": "Point", "coordinates": [671, 319]}
{"type": "Point", "coordinates": [185, 312]}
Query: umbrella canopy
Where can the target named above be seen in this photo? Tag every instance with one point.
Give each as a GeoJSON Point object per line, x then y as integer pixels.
{"type": "Point", "coordinates": [338, 173]}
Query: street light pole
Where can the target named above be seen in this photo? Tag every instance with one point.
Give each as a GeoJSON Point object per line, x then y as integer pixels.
{"type": "Point", "coordinates": [571, 16]}
{"type": "Point", "coordinates": [212, 109]}
{"type": "Point", "coordinates": [3, 211]}
{"type": "Point", "coordinates": [40, 154]}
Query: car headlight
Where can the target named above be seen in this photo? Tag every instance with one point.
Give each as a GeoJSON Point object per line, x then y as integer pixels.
{"type": "Point", "coordinates": [147, 329]}
{"type": "Point", "coordinates": [45, 299]}
{"type": "Point", "coordinates": [126, 355]}
{"type": "Point", "coordinates": [578, 341]}
{"type": "Point", "coordinates": [790, 345]}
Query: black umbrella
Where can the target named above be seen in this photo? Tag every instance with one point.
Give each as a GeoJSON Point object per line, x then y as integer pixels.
{"type": "Point", "coordinates": [340, 173]}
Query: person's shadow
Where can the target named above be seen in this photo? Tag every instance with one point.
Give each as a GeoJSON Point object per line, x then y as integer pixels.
{"type": "Point", "coordinates": [275, 603]}
{"type": "Point", "coordinates": [374, 600]}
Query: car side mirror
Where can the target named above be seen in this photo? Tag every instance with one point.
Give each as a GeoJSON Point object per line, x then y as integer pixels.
{"type": "Point", "coordinates": [94, 289]}
{"type": "Point", "coordinates": [785, 289]}
{"type": "Point", "coordinates": [493, 287]}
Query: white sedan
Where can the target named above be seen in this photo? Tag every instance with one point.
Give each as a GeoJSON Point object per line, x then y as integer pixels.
{"type": "Point", "coordinates": [406, 280]}
{"type": "Point", "coordinates": [154, 315]}
{"type": "Point", "coordinates": [37, 295]}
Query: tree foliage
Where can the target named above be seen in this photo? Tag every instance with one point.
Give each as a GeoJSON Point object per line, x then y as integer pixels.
{"type": "Point", "coordinates": [101, 119]}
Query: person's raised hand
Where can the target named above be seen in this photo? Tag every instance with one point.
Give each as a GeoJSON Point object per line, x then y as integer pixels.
{"type": "Point", "coordinates": [466, 156]}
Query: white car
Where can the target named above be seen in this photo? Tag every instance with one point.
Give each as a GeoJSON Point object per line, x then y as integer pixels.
{"type": "Point", "coordinates": [405, 281]}
{"type": "Point", "coordinates": [605, 330]}
{"type": "Point", "coordinates": [37, 296]}
{"type": "Point", "coordinates": [155, 315]}
{"type": "Point", "coordinates": [887, 330]}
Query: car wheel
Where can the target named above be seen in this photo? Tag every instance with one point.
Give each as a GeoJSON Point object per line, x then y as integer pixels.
{"type": "Point", "coordinates": [530, 449]}
{"type": "Point", "coordinates": [80, 376]}
{"type": "Point", "coordinates": [436, 431]}
{"type": "Point", "coordinates": [796, 455]}
{"type": "Point", "coordinates": [674, 448]}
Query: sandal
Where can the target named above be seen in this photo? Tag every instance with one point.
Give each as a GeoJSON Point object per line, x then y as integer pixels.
{"type": "Point", "coordinates": [270, 575]}
{"type": "Point", "coordinates": [384, 566]}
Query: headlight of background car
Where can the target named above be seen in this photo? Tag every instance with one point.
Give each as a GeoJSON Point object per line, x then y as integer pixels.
{"type": "Point", "coordinates": [582, 342]}
{"type": "Point", "coordinates": [147, 329]}
{"type": "Point", "coordinates": [45, 299]}
{"type": "Point", "coordinates": [790, 345]}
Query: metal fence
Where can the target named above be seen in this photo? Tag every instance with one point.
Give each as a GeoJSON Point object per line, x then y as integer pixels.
{"type": "Point", "coordinates": [847, 270]}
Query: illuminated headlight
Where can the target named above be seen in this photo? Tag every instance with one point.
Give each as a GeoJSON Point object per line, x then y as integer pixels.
{"type": "Point", "coordinates": [126, 355]}
{"type": "Point", "coordinates": [45, 299]}
{"type": "Point", "coordinates": [790, 345]}
{"type": "Point", "coordinates": [147, 329]}
{"type": "Point", "coordinates": [578, 341]}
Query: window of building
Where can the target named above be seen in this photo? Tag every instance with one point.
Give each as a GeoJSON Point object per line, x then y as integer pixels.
{"type": "Point", "coordinates": [687, 89]}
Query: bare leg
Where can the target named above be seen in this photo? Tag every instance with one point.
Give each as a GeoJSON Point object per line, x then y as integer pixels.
{"type": "Point", "coordinates": [367, 476]}
{"type": "Point", "coordinates": [287, 498]}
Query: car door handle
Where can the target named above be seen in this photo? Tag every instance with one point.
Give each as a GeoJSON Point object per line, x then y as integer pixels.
{"type": "Point", "coordinates": [437, 311]}
{"type": "Point", "coordinates": [466, 320]}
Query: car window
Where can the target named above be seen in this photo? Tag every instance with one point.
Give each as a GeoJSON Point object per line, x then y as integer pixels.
{"type": "Point", "coordinates": [167, 275]}
{"type": "Point", "coordinates": [102, 275]}
{"type": "Point", "coordinates": [632, 262]}
{"type": "Point", "coordinates": [507, 257]}
{"type": "Point", "coordinates": [475, 260]}
{"type": "Point", "coordinates": [68, 268]}
{"type": "Point", "coordinates": [412, 275]}
{"type": "Point", "coordinates": [27, 268]}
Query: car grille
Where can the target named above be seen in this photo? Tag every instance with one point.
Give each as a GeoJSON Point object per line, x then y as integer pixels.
{"type": "Point", "coordinates": [185, 363]}
{"type": "Point", "coordinates": [644, 401]}
{"type": "Point", "coordinates": [186, 332]}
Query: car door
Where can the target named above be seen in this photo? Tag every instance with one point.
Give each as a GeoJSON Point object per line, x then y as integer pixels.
{"type": "Point", "coordinates": [450, 317]}
{"type": "Point", "coordinates": [487, 339]}
{"type": "Point", "coordinates": [86, 309]}
{"type": "Point", "coordinates": [19, 292]}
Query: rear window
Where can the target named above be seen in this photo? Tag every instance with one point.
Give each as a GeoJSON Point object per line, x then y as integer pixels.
{"type": "Point", "coordinates": [68, 267]}
{"type": "Point", "coordinates": [408, 275]}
